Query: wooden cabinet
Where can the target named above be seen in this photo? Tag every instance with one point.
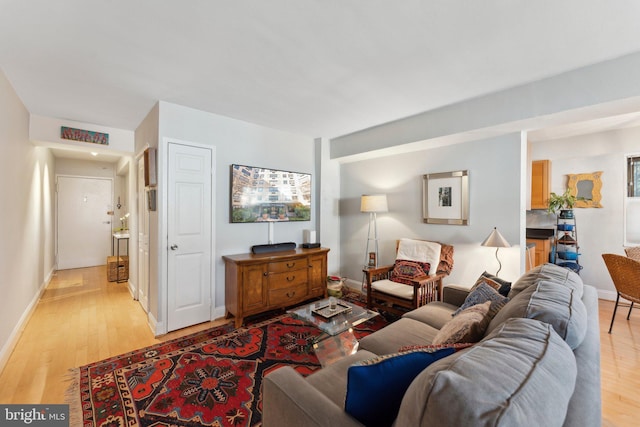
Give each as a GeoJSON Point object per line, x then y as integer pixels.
{"type": "Point", "coordinates": [255, 283]}
{"type": "Point", "coordinates": [540, 179]}
{"type": "Point", "coordinates": [541, 251]}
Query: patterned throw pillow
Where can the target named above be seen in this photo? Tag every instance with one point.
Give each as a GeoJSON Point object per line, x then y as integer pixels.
{"type": "Point", "coordinates": [405, 271]}
{"type": "Point", "coordinates": [501, 286]}
{"type": "Point", "coordinates": [375, 387]}
{"type": "Point", "coordinates": [480, 294]}
{"type": "Point", "coordinates": [468, 326]}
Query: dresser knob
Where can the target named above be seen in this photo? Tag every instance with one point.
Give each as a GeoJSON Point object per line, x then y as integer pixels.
{"type": "Point", "coordinates": [293, 264]}
{"type": "Point", "coordinates": [291, 294]}
{"type": "Point", "coordinates": [291, 279]}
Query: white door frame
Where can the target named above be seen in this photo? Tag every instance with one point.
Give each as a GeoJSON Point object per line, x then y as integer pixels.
{"type": "Point", "coordinates": [163, 239]}
{"type": "Point", "coordinates": [142, 219]}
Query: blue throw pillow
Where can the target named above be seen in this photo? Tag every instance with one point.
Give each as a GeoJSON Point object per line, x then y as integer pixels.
{"type": "Point", "coordinates": [375, 387]}
{"type": "Point", "coordinates": [482, 293]}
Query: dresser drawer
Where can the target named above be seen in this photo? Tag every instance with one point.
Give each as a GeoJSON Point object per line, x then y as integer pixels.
{"type": "Point", "coordinates": [286, 296]}
{"type": "Point", "coordinates": [288, 279]}
{"type": "Point", "coordinates": [289, 265]}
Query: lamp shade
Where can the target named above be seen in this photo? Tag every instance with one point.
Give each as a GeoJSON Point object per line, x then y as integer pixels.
{"type": "Point", "coordinates": [374, 203]}
{"type": "Point", "coordinates": [495, 240]}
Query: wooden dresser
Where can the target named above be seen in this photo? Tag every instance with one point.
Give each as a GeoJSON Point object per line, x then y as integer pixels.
{"type": "Point", "coordinates": [255, 283]}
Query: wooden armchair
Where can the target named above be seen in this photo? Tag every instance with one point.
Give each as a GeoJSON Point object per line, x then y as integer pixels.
{"type": "Point", "coordinates": [398, 297]}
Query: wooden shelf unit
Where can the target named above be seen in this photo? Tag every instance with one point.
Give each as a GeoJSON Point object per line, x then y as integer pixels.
{"type": "Point", "coordinates": [255, 283]}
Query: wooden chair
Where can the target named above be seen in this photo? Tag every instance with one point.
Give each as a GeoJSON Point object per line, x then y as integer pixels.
{"type": "Point", "coordinates": [633, 252]}
{"type": "Point", "coordinates": [625, 273]}
{"type": "Point", "coordinates": [398, 298]}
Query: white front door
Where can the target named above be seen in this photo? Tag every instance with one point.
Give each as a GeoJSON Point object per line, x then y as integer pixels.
{"type": "Point", "coordinates": [84, 224]}
{"type": "Point", "coordinates": [143, 240]}
{"type": "Point", "coordinates": [189, 209]}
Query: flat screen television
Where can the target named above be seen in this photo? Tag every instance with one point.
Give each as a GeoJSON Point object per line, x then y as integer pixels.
{"type": "Point", "coordinates": [269, 195]}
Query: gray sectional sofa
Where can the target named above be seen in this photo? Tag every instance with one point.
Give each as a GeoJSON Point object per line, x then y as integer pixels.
{"type": "Point", "coordinates": [538, 363]}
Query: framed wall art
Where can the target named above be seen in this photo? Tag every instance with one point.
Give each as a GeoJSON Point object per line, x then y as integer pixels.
{"type": "Point", "coordinates": [445, 198]}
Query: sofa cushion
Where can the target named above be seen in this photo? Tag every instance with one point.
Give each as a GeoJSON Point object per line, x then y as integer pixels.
{"type": "Point", "coordinates": [550, 272]}
{"type": "Point", "coordinates": [552, 303]}
{"type": "Point", "coordinates": [435, 313]}
{"type": "Point", "coordinates": [332, 380]}
{"type": "Point", "coordinates": [404, 271]}
{"type": "Point", "coordinates": [468, 326]}
{"type": "Point", "coordinates": [482, 293]}
{"type": "Point", "coordinates": [375, 387]}
{"type": "Point", "coordinates": [398, 289]}
{"type": "Point", "coordinates": [456, 346]}
{"type": "Point", "coordinates": [522, 372]}
{"type": "Point", "coordinates": [402, 332]}
{"type": "Point", "coordinates": [501, 286]}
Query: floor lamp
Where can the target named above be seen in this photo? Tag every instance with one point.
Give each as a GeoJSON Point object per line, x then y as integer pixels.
{"type": "Point", "coordinates": [373, 204]}
{"type": "Point", "coordinates": [495, 240]}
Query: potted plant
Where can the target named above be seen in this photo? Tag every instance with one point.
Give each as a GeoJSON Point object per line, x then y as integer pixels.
{"type": "Point", "coordinates": [563, 203]}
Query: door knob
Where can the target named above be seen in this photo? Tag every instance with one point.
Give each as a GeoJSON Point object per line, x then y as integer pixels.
{"type": "Point", "coordinates": [174, 247]}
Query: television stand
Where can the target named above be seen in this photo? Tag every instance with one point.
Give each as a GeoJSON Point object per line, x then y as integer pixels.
{"type": "Point", "coordinates": [255, 283]}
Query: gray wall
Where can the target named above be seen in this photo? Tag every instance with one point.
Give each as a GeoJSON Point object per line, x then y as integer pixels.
{"type": "Point", "coordinates": [494, 187]}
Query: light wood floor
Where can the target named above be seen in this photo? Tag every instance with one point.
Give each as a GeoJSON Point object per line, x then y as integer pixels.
{"type": "Point", "coordinates": [82, 318]}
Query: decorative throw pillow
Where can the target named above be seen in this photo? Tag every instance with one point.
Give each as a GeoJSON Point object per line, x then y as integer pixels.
{"type": "Point", "coordinates": [501, 286]}
{"type": "Point", "coordinates": [480, 294]}
{"type": "Point", "coordinates": [404, 270]}
{"type": "Point", "coordinates": [375, 387]}
{"type": "Point", "coordinates": [468, 326]}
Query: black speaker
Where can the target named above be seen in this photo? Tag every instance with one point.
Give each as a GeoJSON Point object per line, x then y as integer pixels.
{"type": "Point", "coordinates": [310, 245]}
{"type": "Point", "coordinates": [274, 247]}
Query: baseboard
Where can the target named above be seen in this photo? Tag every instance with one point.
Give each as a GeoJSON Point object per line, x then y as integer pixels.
{"type": "Point", "coordinates": [607, 295]}
{"type": "Point", "coordinates": [153, 324]}
{"type": "Point", "coordinates": [132, 290]}
{"type": "Point", "coordinates": [218, 312]}
{"type": "Point", "coordinates": [353, 284]}
{"type": "Point", "coordinates": [16, 333]}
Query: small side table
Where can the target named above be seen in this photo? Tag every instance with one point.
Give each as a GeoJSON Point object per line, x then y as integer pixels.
{"type": "Point", "coordinates": [115, 241]}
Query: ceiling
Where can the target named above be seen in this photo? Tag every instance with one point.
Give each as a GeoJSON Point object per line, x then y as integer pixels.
{"type": "Point", "coordinates": [316, 68]}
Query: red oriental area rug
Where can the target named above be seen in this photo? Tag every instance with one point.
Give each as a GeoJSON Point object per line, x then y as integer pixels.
{"type": "Point", "coordinates": [211, 378]}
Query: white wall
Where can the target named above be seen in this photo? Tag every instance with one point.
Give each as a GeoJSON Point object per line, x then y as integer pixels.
{"type": "Point", "coordinates": [328, 188]}
{"type": "Point", "coordinates": [27, 191]}
{"type": "Point", "coordinates": [599, 230]}
{"type": "Point", "coordinates": [46, 131]}
{"type": "Point", "coordinates": [494, 187]}
{"type": "Point", "coordinates": [235, 141]}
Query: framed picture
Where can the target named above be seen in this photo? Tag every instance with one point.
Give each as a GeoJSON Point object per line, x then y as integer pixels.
{"type": "Point", "coordinates": [445, 198]}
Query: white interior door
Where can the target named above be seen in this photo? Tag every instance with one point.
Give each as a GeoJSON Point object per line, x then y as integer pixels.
{"type": "Point", "coordinates": [143, 240]}
{"type": "Point", "coordinates": [189, 210]}
{"type": "Point", "coordinates": [84, 225]}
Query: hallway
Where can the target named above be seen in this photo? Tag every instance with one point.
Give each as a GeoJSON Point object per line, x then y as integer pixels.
{"type": "Point", "coordinates": [81, 318]}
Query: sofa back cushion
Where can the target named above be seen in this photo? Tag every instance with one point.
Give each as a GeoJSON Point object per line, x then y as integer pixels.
{"type": "Point", "coordinates": [522, 372]}
{"type": "Point", "coordinates": [551, 303]}
{"type": "Point", "coordinates": [550, 272]}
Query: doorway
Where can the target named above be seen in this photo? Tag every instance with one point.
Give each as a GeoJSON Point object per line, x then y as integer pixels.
{"type": "Point", "coordinates": [83, 221]}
